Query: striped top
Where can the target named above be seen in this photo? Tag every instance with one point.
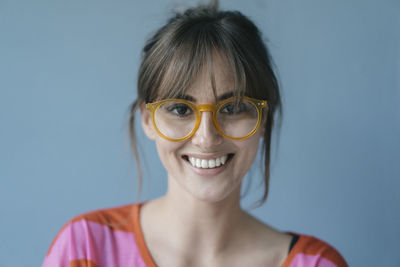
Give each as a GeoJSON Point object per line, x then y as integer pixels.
{"type": "Point", "coordinates": [113, 237]}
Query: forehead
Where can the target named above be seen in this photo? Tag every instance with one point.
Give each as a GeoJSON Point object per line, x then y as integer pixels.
{"type": "Point", "coordinates": [212, 82]}
{"type": "Point", "coordinates": [198, 75]}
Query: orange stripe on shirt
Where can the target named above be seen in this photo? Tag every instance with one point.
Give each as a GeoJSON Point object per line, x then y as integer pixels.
{"type": "Point", "coordinates": [82, 263]}
{"type": "Point", "coordinates": [312, 246]}
{"type": "Point", "coordinates": [116, 218]}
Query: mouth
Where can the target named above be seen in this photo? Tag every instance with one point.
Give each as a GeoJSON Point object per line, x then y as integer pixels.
{"type": "Point", "coordinates": [209, 163]}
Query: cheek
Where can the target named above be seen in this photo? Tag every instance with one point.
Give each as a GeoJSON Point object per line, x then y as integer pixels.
{"type": "Point", "coordinates": [248, 153]}
{"type": "Point", "coordinates": [167, 152]}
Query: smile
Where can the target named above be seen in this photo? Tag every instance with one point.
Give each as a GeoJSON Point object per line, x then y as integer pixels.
{"type": "Point", "coordinates": [208, 163]}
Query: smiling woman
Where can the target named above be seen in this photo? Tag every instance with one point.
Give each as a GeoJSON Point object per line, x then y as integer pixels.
{"type": "Point", "coordinates": [230, 143]}
{"type": "Point", "coordinates": [207, 96]}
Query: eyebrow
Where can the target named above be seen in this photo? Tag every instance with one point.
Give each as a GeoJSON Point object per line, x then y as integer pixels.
{"type": "Point", "coordinates": [219, 98]}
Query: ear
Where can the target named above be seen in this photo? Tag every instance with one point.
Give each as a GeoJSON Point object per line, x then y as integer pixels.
{"type": "Point", "coordinates": [263, 128]}
{"type": "Point", "coordinates": [147, 123]}
{"type": "Point", "coordinates": [263, 125]}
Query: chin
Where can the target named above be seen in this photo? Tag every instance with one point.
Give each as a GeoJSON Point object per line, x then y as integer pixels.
{"type": "Point", "coordinates": [214, 194]}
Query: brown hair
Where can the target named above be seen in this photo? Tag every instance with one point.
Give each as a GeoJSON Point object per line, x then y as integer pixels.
{"type": "Point", "coordinates": [175, 55]}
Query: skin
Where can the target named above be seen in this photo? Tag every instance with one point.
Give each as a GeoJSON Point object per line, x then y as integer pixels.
{"type": "Point", "coordinates": [199, 222]}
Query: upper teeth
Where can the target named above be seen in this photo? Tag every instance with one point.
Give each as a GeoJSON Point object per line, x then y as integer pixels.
{"type": "Point", "coordinates": [208, 163]}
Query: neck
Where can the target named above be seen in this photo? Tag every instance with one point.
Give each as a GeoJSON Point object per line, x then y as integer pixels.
{"type": "Point", "coordinates": [206, 227]}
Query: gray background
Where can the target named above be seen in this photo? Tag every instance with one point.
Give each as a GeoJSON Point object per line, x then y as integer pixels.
{"type": "Point", "coordinates": [68, 74]}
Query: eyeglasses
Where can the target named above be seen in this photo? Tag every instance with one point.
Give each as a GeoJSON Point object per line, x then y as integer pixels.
{"type": "Point", "coordinates": [235, 118]}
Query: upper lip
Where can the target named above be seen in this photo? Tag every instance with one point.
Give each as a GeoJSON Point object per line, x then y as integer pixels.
{"type": "Point", "coordinates": [206, 156]}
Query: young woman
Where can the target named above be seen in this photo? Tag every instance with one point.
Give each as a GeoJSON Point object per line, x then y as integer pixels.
{"type": "Point", "coordinates": [207, 96]}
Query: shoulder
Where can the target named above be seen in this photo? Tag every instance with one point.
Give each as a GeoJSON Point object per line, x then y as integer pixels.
{"type": "Point", "coordinates": [115, 218]}
{"type": "Point", "coordinates": [310, 251]}
{"type": "Point", "coordinates": [97, 237]}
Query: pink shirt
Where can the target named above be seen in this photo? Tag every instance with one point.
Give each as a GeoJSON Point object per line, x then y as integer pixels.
{"type": "Point", "coordinates": [113, 237]}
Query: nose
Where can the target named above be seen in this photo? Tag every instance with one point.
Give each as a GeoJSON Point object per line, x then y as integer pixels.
{"type": "Point", "coordinates": [207, 136]}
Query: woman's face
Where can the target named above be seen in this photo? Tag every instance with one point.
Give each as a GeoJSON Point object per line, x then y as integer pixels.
{"type": "Point", "coordinates": [207, 145]}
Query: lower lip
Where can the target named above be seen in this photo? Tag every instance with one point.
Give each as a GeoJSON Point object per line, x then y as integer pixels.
{"type": "Point", "coordinates": [208, 172]}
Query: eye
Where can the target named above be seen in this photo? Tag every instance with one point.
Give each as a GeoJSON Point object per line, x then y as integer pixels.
{"type": "Point", "coordinates": [179, 109]}
{"type": "Point", "coordinates": [232, 108]}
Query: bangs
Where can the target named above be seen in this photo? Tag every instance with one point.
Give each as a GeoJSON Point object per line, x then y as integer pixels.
{"type": "Point", "coordinates": [191, 51]}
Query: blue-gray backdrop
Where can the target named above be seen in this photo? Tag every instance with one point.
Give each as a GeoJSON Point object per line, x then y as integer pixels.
{"type": "Point", "coordinates": [67, 78]}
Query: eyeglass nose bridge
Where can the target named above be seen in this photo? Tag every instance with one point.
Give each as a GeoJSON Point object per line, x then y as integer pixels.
{"type": "Point", "coordinates": [210, 108]}
{"type": "Point", "coordinates": [206, 107]}
{"type": "Point", "coordinates": [203, 108]}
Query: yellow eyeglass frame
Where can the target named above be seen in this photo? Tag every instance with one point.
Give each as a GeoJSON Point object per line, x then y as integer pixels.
{"type": "Point", "coordinates": [197, 108]}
